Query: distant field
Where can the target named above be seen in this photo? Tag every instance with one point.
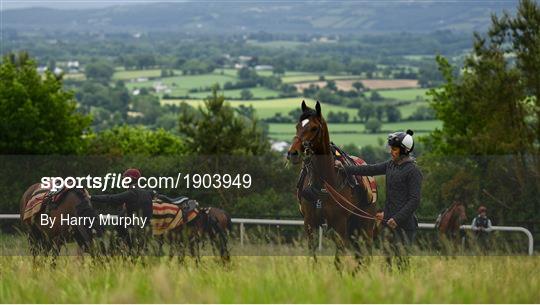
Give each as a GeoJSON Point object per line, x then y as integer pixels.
{"type": "Point", "coordinates": [312, 77]}
{"type": "Point", "coordinates": [258, 92]}
{"type": "Point", "coordinates": [179, 85]}
{"type": "Point", "coordinates": [374, 84]}
{"type": "Point", "coordinates": [342, 134]}
{"type": "Point", "coordinates": [268, 108]}
{"type": "Point", "coordinates": [404, 94]}
{"type": "Point", "coordinates": [75, 76]}
{"type": "Point", "coordinates": [277, 44]}
{"type": "Point", "coordinates": [132, 74]}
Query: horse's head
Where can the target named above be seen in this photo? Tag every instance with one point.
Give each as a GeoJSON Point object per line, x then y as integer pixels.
{"type": "Point", "coordinates": [310, 133]}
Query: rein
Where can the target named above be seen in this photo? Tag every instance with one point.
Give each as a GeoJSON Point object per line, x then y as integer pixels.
{"type": "Point", "coordinates": [308, 164]}
{"type": "Point", "coordinates": [333, 193]}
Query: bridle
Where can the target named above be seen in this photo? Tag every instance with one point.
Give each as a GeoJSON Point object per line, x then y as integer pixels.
{"type": "Point", "coordinates": [308, 144]}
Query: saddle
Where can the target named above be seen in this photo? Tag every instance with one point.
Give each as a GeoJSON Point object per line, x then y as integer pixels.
{"type": "Point", "coordinates": [176, 200]}
{"type": "Point", "coordinates": [369, 183]}
{"type": "Point", "coordinates": [170, 213]}
{"type": "Point", "coordinates": [355, 182]}
{"type": "Point", "coordinates": [43, 199]}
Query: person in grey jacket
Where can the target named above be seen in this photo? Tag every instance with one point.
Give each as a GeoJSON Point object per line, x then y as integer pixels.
{"type": "Point", "coordinates": [403, 186]}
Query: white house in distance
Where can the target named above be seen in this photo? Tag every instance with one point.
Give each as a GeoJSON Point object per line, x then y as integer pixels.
{"type": "Point", "coordinates": [161, 88]}
{"type": "Point", "coordinates": [73, 66]}
{"type": "Point", "coordinates": [279, 146]}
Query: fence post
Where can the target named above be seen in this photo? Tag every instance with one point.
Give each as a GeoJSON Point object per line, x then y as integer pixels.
{"type": "Point", "coordinates": [241, 234]}
{"type": "Point", "coordinates": [320, 238]}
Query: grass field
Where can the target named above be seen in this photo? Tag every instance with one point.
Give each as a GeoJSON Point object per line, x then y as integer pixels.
{"type": "Point", "coordinates": [258, 92]}
{"type": "Point", "coordinates": [340, 133]}
{"type": "Point", "coordinates": [309, 77]}
{"type": "Point", "coordinates": [268, 108]}
{"type": "Point", "coordinates": [403, 94]}
{"type": "Point", "coordinates": [271, 279]}
{"type": "Point", "coordinates": [132, 74]}
{"type": "Point", "coordinates": [180, 85]}
{"type": "Point", "coordinates": [277, 44]}
{"type": "Point", "coordinates": [343, 134]}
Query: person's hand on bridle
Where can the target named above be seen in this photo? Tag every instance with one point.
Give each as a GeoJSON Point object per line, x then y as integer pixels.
{"type": "Point", "coordinates": [392, 223]}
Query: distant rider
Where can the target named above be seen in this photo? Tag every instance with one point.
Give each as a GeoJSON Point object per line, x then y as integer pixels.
{"type": "Point", "coordinates": [481, 225]}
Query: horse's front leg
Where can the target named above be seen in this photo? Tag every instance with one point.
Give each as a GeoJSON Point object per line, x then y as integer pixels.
{"type": "Point", "coordinates": [310, 227]}
{"type": "Point", "coordinates": [340, 238]}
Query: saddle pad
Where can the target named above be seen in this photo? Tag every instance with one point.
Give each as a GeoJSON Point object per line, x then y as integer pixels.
{"type": "Point", "coordinates": [167, 216]}
{"type": "Point", "coordinates": [34, 205]}
{"type": "Point", "coordinates": [369, 182]}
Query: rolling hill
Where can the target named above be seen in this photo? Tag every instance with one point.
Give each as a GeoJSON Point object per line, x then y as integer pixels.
{"type": "Point", "coordinates": [254, 16]}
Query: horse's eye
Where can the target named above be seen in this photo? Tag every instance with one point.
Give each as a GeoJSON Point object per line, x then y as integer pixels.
{"type": "Point", "coordinates": [314, 129]}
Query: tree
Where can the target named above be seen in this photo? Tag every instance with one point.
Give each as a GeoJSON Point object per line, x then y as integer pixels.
{"type": "Point", "coordinates": [295, 114]}
{"type": "Point", "coordinates": [279, 70]}
{"type": "Point", "coordinates": [379, 112]}
{"type": "Point", "coordinates": [423, 113]}
{"type": "Point", "coordinates": [217, 130]}
{"type": "Point", "coordinates": [376, 96]}
{"type": "Point", "coordinates": [524, 31]}
{"type": "Point", "coordinates": [366, 111]}
{"type": "Point", "coordinates": [149, 108]}
{"type": "Point", "coordinates": [246, 73]}
{"type": "Point", "coordinates": [373, 125]}
{"type": "Point", "coordinates": [489, 117]}
{"type": "Point", "coordinates": [392, 113]}
{"type": "Point", "coordinates": [135, 140]}
{"type": "Point", "coordinates": [358, 86]}
{"type": "Point", "coordinates": [331, 84]}
{"type": "Point", "coordinates": [100, 71]}
{"type": "Point", "coordinates": [246, 111]}
{"type": "Point", "coordinates": [38, 116]}
{"type": "Point", "coordinates": [245, 94]}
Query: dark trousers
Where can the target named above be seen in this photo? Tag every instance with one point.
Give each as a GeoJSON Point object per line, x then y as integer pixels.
{"type": "Point", "coordinates": [397, 244]}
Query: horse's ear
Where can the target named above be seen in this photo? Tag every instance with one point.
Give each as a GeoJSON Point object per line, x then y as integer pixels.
{"type": "Point", "coordinates": [304, 106]}
{"type": "Point", "coordinates": [318, 109]}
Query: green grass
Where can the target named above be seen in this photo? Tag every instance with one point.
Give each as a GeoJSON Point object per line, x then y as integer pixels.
{"type": "Point", "coordinates": [313, 77]}
{"type": "Point", "coordinates": [268, 108]}
{"type": "Point", "coordinates": [343, 134]}
{"type": "Point", "coordinates": [277, 44]}
{"type": "Point", "coordinates": [132, 74]}
{"type": "Point", "coordinates": [403, 94]}
{"type": "Point", "coordinates": [258, 92]}
{"type": "Point", "coordinates": [180, 85]}
{"type": "Point", "coordinates": [271, 279]}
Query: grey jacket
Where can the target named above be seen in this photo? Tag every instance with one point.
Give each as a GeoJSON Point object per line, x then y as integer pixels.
{"type": "Point", "coordinates": [403, 186]}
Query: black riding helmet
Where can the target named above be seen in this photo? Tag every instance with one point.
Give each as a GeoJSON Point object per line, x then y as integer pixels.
{"type": "Point", "coordinates": [403, 140]}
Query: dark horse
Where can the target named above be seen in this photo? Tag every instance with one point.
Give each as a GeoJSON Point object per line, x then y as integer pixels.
{"type": "Point", "coordinates": [311, 145]}
{"type": "Point", "coordinates": [450, 220]}
{"type": "Point", "coordinates": [44, 239]}
{"type": "Point", "coordinates": [210, 224]}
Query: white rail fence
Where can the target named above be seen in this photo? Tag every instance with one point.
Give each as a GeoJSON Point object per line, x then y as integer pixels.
{"type": "Point", "coordinates": [277, 222]}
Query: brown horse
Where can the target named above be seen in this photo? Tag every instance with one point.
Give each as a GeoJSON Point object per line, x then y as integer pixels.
{"type": "Point", "coordinates": [211, 224]}
{"type": "Point", "coordinates": [449, 222]}
{"type": "Point", "coordinates": [45, 239]}
{"type": "Point", "coordinates": [311, 145]}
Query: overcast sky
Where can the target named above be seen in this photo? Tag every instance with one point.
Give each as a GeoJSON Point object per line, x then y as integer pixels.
{"type": "Point", "coordinates": [67, 4]}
